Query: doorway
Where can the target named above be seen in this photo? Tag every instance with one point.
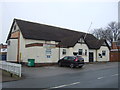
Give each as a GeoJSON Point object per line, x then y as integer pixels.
{"type": "Point", "coordinates": [91, 57]}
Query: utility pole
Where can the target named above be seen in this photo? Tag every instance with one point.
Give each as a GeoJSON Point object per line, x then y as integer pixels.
{"type": "Point", "coordinates": [88, 30]}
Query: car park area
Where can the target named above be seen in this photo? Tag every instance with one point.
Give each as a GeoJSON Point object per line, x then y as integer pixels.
{"type": "Point", "coordinates": [96, 75]}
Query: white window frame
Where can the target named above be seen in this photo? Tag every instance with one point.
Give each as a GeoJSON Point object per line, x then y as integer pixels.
{"type": "Point", "coordinates": [64, 52]}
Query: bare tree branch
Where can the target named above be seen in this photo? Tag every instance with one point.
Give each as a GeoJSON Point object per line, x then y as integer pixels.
{"type": "Point", "coordinates": [110, 33]}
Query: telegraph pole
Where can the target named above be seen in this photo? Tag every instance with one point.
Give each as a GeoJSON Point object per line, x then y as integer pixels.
{"type": "Point", "coordinates": [88, 30]}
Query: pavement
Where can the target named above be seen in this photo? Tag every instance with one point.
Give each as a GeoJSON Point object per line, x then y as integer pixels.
{"type": "Point", "coordinates": [99, 75]}
{"type": "Point", "coordinates": [6, 76]}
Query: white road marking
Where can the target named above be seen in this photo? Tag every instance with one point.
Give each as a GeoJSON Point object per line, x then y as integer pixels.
{"type": "Point", "coordinates": [74, 83]}
{"type": "Point", "coordinates": [115, 75]}
{"type": "Point", "coordinates": [100, 77]}
{"type": "Point", "coordinates": [65, 85]}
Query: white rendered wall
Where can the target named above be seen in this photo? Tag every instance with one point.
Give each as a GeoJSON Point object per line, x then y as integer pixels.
{"type": "Point", "coordinates": [75, 49]}
{"type": "Point", "coordinates": [22, 52]}
{"type": "Point", "coordinates": [12, 50]}
{"type": "Point", "coordinates": [39, 54]}
{"type": "Point", "coordinates": [104, 58]}
{"type": "Point", "coordinates": [83, 47]}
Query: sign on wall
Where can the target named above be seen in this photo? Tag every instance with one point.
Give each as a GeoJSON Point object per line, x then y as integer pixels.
{"type": "Point", "coordinates": [48, 52]}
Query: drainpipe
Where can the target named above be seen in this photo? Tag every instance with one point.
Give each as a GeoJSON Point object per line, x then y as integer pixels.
{"type": "Point", "coordinates": [18, 60]}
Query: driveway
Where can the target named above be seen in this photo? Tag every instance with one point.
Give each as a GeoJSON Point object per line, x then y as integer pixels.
{"type": "Point", "coordinates": [100, 75]}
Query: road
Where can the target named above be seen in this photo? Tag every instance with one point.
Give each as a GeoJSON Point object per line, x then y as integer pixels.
{"type": "Point", "coordinates": [100, 75]}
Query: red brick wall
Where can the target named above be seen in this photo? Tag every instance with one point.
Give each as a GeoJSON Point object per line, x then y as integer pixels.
{"type": "Point", "coordinates": [114, 56]}
{"type": "Point", "coordinates": [114, 46]}
{"type": "Point", "coordinates": [3, 46]}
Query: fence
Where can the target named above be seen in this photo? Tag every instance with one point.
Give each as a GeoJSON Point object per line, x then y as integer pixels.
{"type": "Point", "coordinates": [11, 67]}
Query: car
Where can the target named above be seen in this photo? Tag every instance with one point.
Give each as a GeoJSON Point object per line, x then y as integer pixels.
{"type": "Point", "coordinates": [71, 61]}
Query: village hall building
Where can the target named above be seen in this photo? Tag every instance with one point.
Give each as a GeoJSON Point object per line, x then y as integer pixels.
{"type": "Point", "coordinates": [48, 44]}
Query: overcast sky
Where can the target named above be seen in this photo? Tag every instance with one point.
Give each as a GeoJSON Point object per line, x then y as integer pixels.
{"type": "Point", "coordinates": [72, 14]}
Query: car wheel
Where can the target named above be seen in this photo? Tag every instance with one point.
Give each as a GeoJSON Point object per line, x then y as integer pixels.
{"type": "Point", "coordinates": [60, 64]}
{"type": "Point", "coordinates": [80, 66]}
{"type": "Point", "coordinates": [71, 65]}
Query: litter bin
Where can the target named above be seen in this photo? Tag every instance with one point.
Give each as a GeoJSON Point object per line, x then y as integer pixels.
{"type": "Point", "coordinates": [31, 62]}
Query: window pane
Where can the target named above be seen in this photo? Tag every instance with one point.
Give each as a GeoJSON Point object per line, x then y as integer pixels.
{"type": "Point", "coordinates": [48, 56]}
{"type": "Point", "coordinates": [65, 58]}
{"type": "Point", "coordinates": [71, 58]}
{"type": "Point", "coordinates": [15, 27]}
{"type": "Point", "coordinates": [64, 51]}
{"type": "Point", "coordinates": [80, 52]}
{"type": "Point", "coordinates": [103, 53]}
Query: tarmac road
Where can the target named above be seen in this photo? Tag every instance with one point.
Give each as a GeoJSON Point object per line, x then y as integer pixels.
{"type": "Point", "coordinates": [99, 75]}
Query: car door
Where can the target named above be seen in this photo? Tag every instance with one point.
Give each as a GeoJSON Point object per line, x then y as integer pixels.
{"type": "Point", "coordinates": [65, 60]}
{"type": "Point", "coordinates": [69, 60]}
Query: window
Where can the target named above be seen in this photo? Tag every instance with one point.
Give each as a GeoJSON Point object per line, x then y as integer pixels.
{"type": "Point", "coordinates": [100, 55]}
{"type": "Point", "coordinates": [80, 51]}
{"type": "Point", "coordinates": [103, 53]}
{"type": "Point", "coordinates": [71, 58]}
{"type": "Point", "coordinates": [65, 58]}
{"type": "Point", "coordinates": [86, 52]}
{"type": "Point", "coordinates": [64, 52]}
{"type": "Point", "coordinates": [48, 56]}
{"type": "Point", "coordinates": [15, 27]}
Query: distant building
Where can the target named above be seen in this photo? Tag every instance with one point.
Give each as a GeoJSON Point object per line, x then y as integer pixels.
{"type": "Point", "coordinates": [47, 44]}
{"type": "Point", "coordinates": [3, 52]}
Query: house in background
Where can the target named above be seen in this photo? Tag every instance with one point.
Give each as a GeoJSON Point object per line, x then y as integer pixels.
{"type": "Point", "coordinates": [3, 52]}
{"type": "Point", "coordinates": [47, 44]}
{"type": "Point", "coordinates": [115, 52]}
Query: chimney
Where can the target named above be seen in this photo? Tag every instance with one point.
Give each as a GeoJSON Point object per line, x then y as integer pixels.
{"type": "Point", "coordinates": [114, 45]}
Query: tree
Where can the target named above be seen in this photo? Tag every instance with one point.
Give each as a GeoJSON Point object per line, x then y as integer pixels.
{"type": "Point", "coordinates": [115, 30]}
{"type": "Point", "coordinates": [110, 33]}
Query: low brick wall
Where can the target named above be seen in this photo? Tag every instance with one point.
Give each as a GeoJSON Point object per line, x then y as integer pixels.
{"type": "Point", "coordinates": [114, 56]}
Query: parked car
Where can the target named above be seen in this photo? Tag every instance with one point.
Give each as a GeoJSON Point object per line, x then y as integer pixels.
{"type": "Point", "coordinates": [71, 61]}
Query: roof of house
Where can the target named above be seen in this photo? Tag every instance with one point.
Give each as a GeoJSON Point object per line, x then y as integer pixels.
{"type": "Point", "coordinates": [65, 37]}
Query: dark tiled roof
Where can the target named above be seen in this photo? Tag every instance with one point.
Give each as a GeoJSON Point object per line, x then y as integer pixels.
{"type": "Point", "coordinates": [66, 37]}
{"type": "Point", "coordinates": [92, 42]}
